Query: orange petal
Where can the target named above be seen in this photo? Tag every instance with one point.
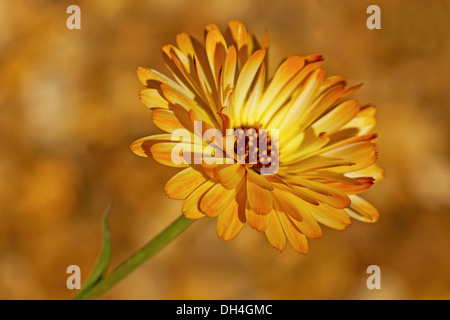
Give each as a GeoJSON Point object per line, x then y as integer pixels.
{"type": "Point", "coordinates": [142, 146]}
{"type": "Point", "coordinates": [166, 120]}
{"type": "Point", "coordinates": [231, 221]}
{"type": "Point", "coordinates": [259, 180]}
{"type": "Point", "coordinates": [231, 176]}
{"type": "Point", "coordinates": [184, 182]}
{"type": "Point", "coordinates": [245, 80]}
{"type": "Point", "coordinates": [308, 225]}
{"type": "Point", "coordinates": [362, 210]}
{"type": "Point", "coordinates": [337, 117]}
{"type": "Point", "coordinates": [296, 238]}
{"type": "Point", "coordinates": [374, 171]}
{"type": "Point", "coordinates": [260, 199]}
{"type": "Point", "coordinates": [215, 46]}
{"type": "Point", "coordinates": [162, 152]}
{"type": "Point", "coordinates": [275, 233]}
{"type": "Point", "coordinates": [216, 200]}
{"type": "Point", "coordinates": [334, 218]}
{"type": "Point", "coordinates": [325, 193]}
{"type": "Point", "coordinates": [282, 84]}
{"type": "Point", "coordinates": [152, 99]}
{"type": "Point", "coordinates": [259, 222]}
{"type": "Point", "coordinates": [191, 208]}
{"type": "Point", "coordinates": [364, 184]}
{"type": "Point", "coordinates": [179, 98]}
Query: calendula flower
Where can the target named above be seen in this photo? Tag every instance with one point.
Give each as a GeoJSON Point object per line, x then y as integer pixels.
{"type": "Point", "coordinates": [321, 152]}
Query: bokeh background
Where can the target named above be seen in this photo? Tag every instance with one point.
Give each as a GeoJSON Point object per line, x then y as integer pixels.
{"type": "Point", "coordinates": [69, 109]}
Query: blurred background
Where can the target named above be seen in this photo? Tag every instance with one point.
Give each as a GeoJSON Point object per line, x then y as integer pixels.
{"type": "Point", "coordinates": [69, 109]}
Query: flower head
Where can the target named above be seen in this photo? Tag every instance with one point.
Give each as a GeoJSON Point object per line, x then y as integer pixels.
{"type": "Point", "coordinates": [319, 154]}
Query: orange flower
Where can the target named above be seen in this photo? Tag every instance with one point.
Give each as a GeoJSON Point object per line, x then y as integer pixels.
{"type": "Point", "coordinates": [325, 153]}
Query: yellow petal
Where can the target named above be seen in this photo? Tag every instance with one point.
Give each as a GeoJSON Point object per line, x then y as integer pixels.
{"type": "Point", "coordinates": [325, 193]}
{"type": "Point", "coordinates": [152, 79]}
{"type": "Point", "coordinates": [152, 99]}
{"type": "Point", "coordinates": [334, 218]}
{"type": "Point", "coordinates": [191, 206]}
{"type": "Point", "coordinates": [259, 180]}
{"type": "Point", "coordinates": [142, 146]}
{"type": "Point", "coordinates": [184, 42]}
{"type": "Point", "coordinates": [237, 34]}
{"type": "Point", "coordinates": [230, 176]}
{"type": "Point", "coordinates": [184, 182]}
{"type": "Point", "coordinates": [245, 80]}
{"type": "Point", "coordinates": [216, 200]}
{"type": "Point", "coordinates": [281, 86]}
{"type": "Point", "coordinates": [308, 225]}
{"type": "Point", "coordinates": [362, 210]}
{"type": "Point", "coordinates": [299, 192]}
{"type": "Point", "coordinates": [216, 51]}
{"type": "Point", "coordinates": [166, 120]}
{"type": "Point", "coordinates": [162, 152]}
{"type": "Point", "coordinates": [232, 219]}
{"type": "Point", "coordinates": [303, 101]}
{"type": "Point", "coordinates": [259, 222]}
{"type": "Point", "coordinates": [374, 171]}
{"type": "Point", "coordinates": [337, 117]}
{"type": "Point", "coordinates": [179, 98]}
{"type": "Point", "coordinates": [288, 203]}
{"type": "Point", "coordinates": [296, 238]}
{"type": "Point", "coordinates": [260, 199]}
{"type": "Point", "coordinates": [275, 233]}
{"type": "Point", "coordinates": [364, 184]}
{"type": "Point", "coordinates": [229, 70]}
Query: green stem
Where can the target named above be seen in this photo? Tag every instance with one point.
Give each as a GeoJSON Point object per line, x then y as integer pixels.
{"type": "Point", "coordinates": [128, 266]}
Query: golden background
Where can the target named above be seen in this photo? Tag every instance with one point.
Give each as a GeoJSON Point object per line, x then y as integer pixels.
{"type": "Point", "coordinates": [69, 109]}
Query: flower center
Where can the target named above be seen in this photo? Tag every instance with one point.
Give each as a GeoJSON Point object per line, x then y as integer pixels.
{"type": "Point", "coordinates": [253, 146]}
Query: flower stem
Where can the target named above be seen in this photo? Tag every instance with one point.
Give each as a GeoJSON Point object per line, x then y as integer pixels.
{"type": "Point", "coordinates": [129, 265]}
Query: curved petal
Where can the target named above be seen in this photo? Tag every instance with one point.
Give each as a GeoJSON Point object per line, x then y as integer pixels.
{"type": "Point", "coordinates": [184, 182]}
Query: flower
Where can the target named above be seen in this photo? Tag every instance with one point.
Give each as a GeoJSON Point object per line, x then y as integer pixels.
{"type": "Point", "coordinates": [325, 153]}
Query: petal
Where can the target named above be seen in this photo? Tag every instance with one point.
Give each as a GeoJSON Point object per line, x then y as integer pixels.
{"type": "Point", "coordinates": [296, 238]}
{"type": "Point", "coordinates": [374, 171]}
{"type": "Point", "coordinates": [163, 153]}
{"type": "Point", "coordinates": [191, 206]}
{"type": "Point", "coordinates": [229, 70]}
{"type": "Point", "coordinates": [334, 218]}
{"type": "Point", "coordinates": [237, 34]}
{"type": "Point", "coordinates": [184, 182]}
{"type": "Point", "coordinates": [337, 117]}
{"type": "Point", "coordinates": [288, 203]}
{"type": "Point", "coordinates": [231, 176]}
{"type": "Point", "coordinates": [142, 146]}
{"type": "Point", "coordinates": [282, 85]}
{"type": "Point", "coordinates": [275, 233]}
{"type": "Point", "coordinates": [179, 98]}
{"type": "Point", "coordinates": [308, 225]}
{"type": "Point", "coordinates": [325, 193]}
{"type": "Point", "coordinates": [260, 199]}
{"type": "Point", "coordinates": [215, 46]}
{"type": "Point", "coordinates": [245, 80]}
{"type": "Point", "coordinates": [259, 180]}
{"type": "Point", "coordinates": [153, 99]}
{"type": "Point", "coordinates": [299, 192]}
{"type": "Point", "coordinates": [304, 99]}
{"type": "Point", "coordinates": [216, 200]}
{"type": "Point", "coordinates": [166, 120]}
{"type": "Point", "coordinates": [231, 221]}
{"type": "Point", "coordinates": [364, 184]}
{"type": "Point", "coordinates": [153, 79]}
{"type": "Point", "coordinates": [362, 210]}
{"type": "Point", "coordinates": [259, 222]}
